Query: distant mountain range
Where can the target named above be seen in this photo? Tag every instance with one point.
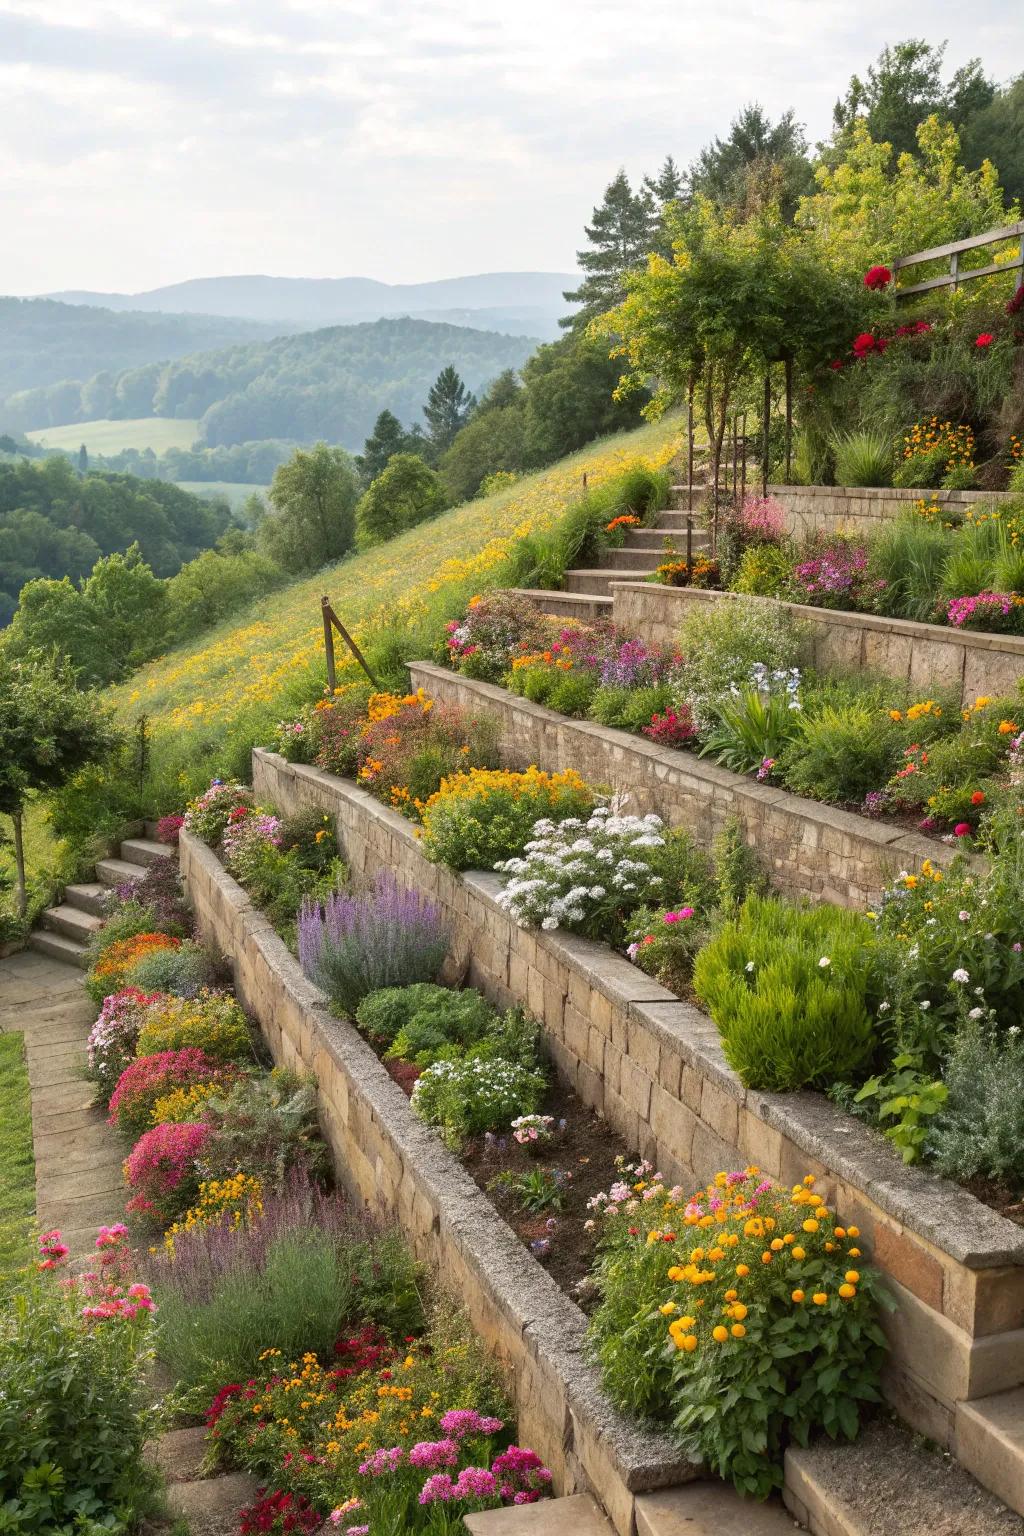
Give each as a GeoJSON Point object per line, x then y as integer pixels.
{"type": "Point", "coordinates": [521, 303]}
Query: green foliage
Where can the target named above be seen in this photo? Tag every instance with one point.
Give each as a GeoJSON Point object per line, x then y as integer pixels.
{"type": "Point", "coordinates": [387, 438]}
{"type": "Point", "coordinates": [266, 1124]}
{"type": "Point", "coordinates": [59, 1373]}
{"type": "Point", "coordinates": [979, 1130]}
{"type": "Point", "coordinates": [17, 1164]}
{"type": "Point", "coordinates": [183, 971]}
{"type": "Point", "coordinates": [312, 518]}
{"type": "Point", "coordinates": [214, 585]}
{"type": "Point", "coordinates": [630, 709]}
{"type": "Point", "coordinates": [753, 728]}
{"type": "Point", "coordinates": [788, 988]}
{"type": "Point", "coordinates": [863, 457]}
{"type": "Point", "coordinates": [619, 237]}
{"type": "Point", "coordinates": [448, 408]}
{"type": "Point", "coordinates": [473, 1094]}
{"type": "Point", "coordinates": [540, 1189]}
{"type": "Point", "coordinates": [721, 642]}
{"type": "Point", "coordinates": [758, 161]}
{"type": "Point", "coordinates": [840, 752]}
{"type": "Point", "coordinates": [765, 570]}
{"type": "Point", "coordinates": [905, 566]}
{"type": "Point", "coordinates": [418, 1023]}
{"type": "Point", "coordinates": [407, 492]}
{"type": "Point", "coordinates": [542, 561]}
{"type": "Point", "coordinates": [904, 1100]}
{"type": "Point", "coordinates": [570, 398]}
{"type": "Point", "coordinates": [738, 871]}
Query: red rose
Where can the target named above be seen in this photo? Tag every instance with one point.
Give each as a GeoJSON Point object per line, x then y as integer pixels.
{"type": "Point", "coordinates": [864, 344]}
{"type": "Point", "coordinates": [984, 340]}
{"type": "Point", "coordinates": [877, 278]}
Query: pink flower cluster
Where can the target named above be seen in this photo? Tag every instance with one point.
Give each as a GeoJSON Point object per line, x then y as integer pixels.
{"type": "Point", "coordinates": [762, 520]}
{"type": "Point", "coordinates": [517, 1476]}
{"type": "Point", "coordinates": [979, 611]}
{"type": "Point", "coordinates": [112, 1038]}
{"type": "Point", "coordinates": [106, 1300]}
{"type": "Point", "coordinates": [681, 916]}
{"type": "Point", "coordinates": [837, 569]}
{"type": "Point", "coordinates": [149, 1076]}
{"type": "Point", "coordinates": [53, 1250]}
{"type": "Point", "coordinates": [160, 1162]}
{"type": "Point", "coordinates": [245, 826]}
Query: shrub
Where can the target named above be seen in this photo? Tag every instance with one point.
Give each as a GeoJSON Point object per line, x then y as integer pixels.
{"type": "Point", "coordinates": [168, 829]}
{"type": "Point", "coordinates": [774, 1315]}
{"type": "Point", "coordinates": [841, 753]}
{"type": "Point", "coordinates": [480, 817]}
{"type": "Point", "coordinates": [863, 458]}
{"type": "Point", "coordinates": [159, 892]}
{"type": "Point", "coordinates": [309, 1266]}
{"type": "Point", "coordinates": [264, 1123]}
{"type": "Point", "coordinates": [979, 1132]}
{"type": "Point", "coordinates": [300, 861]}
{"type": "Point", "coordinates": [212, 1022]}
{"type": "Point", "coordinates": [788, 988]}
{"type": "Point", "coordinates": [63, 1370]}
{"type": "Point", "coordinates": [496, 627]}
{"type": "Point", "coordinates": [162, 1173]}
{"type": "Point", "coordinates": [752, 728]}
{"type": "Point", "coordinates": [765, 570]}
{"type": "Point", "coordinates": [355, 945]}
{"type": "Point", "coordinates": [720, 644]}
{"type": "Point", "coordinates": [664, 944]}
{"type": "Point", "coordinates": [672, 727]}
{"type": "Point", "coordinates": [996, 612]}
{"type": "Point", "coordinates": [411, 744]}
{"type": "Point", "coordinates": [588, 876]}
{"type": "Point", "coordinates": [184, 970]}
{"type": "Point", "coordinates": [114, 1036]}
{"type": "Point", "coordinates": [115, 965]}
{"type": "Point", "coordinates": [150, 1078]}
{"type": "Point", "coordinates": [470, 1096]}
{"type": "Point", "coordinates": [207, 816]}
{"type": "Point", "coordinates": [423, 1019]}
{"type": "Point", "coordinates": [833, 572]}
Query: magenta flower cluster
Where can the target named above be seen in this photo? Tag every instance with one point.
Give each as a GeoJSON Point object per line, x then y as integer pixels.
{"type": "Point", "coordinates": [980, 610]}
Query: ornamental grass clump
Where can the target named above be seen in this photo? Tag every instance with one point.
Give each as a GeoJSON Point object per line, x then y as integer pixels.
{"type": "Point", "coordinates": [353, 945]}
{"type": "Point", "coordinates": [745, 1316]}
{"type": "Point", "coordinates": [588, 876]}
{"type": "Point", "coordinates": [285, 1271]}
{"type": "Point", "coordinates": [790, 990]}
{"type": "Point", "coordinates": [480, 817]}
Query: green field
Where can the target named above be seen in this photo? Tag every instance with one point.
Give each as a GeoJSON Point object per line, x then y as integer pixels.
{"type": "Point", "coordinates": [156, 432]}
{"type": "Point", "coordinates": [17, 1167]}
{"type": "Point", "coordinates": [235, 492]}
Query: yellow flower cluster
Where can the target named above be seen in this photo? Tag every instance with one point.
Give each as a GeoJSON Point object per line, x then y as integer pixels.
{"type": "Point", "coordinates": [183, 1103]}
{"type": "Point", "coordinates": [384, 706]}
{"type": "Point", "coordinates": [926, 707]}
{"type": "Point", "coordinates": [479, 784]}
{"type": "Point", "coordinates": [232, 1202]}
{"type": "Point", "coordinates": [925, 437]}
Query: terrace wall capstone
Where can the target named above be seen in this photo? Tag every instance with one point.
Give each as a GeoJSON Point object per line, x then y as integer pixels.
{"type": "Point", "coordinates": [653, 1066]}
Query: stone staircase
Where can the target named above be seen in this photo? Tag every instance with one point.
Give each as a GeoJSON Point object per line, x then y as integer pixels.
{"type": "Point", "coordinates": [586, 591]}
{"type": "Point", "coordinates": [66, 928]}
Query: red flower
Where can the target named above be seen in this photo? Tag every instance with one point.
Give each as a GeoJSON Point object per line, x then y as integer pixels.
{"type": "Point", "coordinates": [836, 365]}
{"type": "Point", "coordinates": [961, 829]}
{"type": "Point", "coordinates": [922, 327]}
{"type": "Point", "coordinates": [877, 278]}
{"type": "Point", "coordinates": [864, 344]}
{"type": "Point", "coordinates": [977, 798]}
{"type": "Point", "coordinates": [1016, 304]}
{"type": "Point", "coordinates": [985, 339]}
{"type": "Point", "coordinates": [881, 343]}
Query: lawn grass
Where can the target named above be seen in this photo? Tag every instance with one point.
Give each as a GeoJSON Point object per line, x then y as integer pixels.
{"type": "Point", "coordinates": [156, 432]}
{"type": "Point", "coordinates": [17, 1164]}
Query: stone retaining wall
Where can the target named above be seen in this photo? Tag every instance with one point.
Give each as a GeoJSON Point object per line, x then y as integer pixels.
{"type": "Point", "coordinates": [654, 1067]}
{"type": "Point", "coordinates": [809, 508]}
{"type": "Point", "coordinates": [392, 1162]}
{"type": "Point", "coordinates": [809, 849]}
{"type": "Point", "coordinates": [928, 656]}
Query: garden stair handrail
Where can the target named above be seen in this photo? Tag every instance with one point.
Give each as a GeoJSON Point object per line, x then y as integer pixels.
{"type": "Point", "coordinates": [954, 277]}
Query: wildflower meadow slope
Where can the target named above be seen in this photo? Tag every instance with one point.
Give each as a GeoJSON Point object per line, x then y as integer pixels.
{"type": "Point", "coordinates": [243, 669]}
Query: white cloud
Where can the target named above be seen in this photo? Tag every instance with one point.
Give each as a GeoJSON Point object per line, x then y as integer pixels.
{"type": "Point", "coordinates": [144, 144]}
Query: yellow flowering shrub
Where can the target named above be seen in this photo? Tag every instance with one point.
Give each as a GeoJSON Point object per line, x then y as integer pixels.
{"type": "Point", "coordinates": [231, 1203]}
{"type": "Point", "coordinates": [185, 1103]}
{"type": "Point", "coordinates": [480, 817]}
{"type": "Point", "coordinates": [746, 1293]}
{"type": "Point", "coordinates": [213, 1021]}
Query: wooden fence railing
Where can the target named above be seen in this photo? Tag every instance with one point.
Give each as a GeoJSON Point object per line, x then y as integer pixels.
{"type": "Point", "coordinates": [954, 250]}
{"type": "Point", "coordinates": [332, 623]}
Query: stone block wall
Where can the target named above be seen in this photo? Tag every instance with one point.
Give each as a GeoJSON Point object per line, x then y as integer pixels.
{"type": "Point", "coordinates": [394, 1164]}
{"type": "Point", "coordinates": [653, 1066]}
{"type": "Point", "coordinates": [927, 656]}
{"type": "Point", "coordinates": [810, 508]}
{"type": "Point", "coordinates": [807, 848]}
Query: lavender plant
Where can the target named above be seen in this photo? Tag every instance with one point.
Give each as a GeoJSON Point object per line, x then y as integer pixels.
{"type": "Point", "coordinates": [353, 945]}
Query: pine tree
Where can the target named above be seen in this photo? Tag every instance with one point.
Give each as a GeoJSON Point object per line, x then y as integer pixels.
{"type": "Point", "coordinates": [449, 406]}
{"type": "Point", "coordinates": [622, 232]}
{"type": "Point", "coordinates": [666, 190]}
{"type": "Point", "coordinates": [387, 438]}
{"type": "Point", "coordinates": [83, 459]}
{"type": "Point", "coordinates": [760, 161]}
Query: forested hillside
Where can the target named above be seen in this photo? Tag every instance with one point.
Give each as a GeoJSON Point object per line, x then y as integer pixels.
{"type": "Point", "coordinates": [45, 343]}
{"type": "Point", "coordinates": [329, 384]}
{"type": "Point", "coordinates": [55, 522]}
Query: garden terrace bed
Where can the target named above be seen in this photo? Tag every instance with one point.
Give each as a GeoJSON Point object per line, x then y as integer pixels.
{"type": "Point", "coordinates": [654, 1067]}
{"type": "Point", "coordinates": [387, 1158]}
{"type": "Point", "coordinates": [862, 509]}
{"type": "Point", "coordinates": [927, 656]}
{"type": "Point", "coordinates": [809, 848]}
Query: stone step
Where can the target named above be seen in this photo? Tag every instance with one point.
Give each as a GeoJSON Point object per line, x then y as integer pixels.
{"type": "Point", "coordinates": [569, 605]}
{"type": "Point", "coordinates": [654, 538]}
{"type": "Point", "coordinates": [142, 850]}
{"type": "Point", "coordinates": [149, 830]}
{"type": "Point", "coordinates": [577, 1515]}
{"type": "Point", "coordinates": [631, 560]}
{"type": "Point", "coordinates": [210, 1505]}
{"type": "Point", "coordinates": [72, 922]}
{"type": "Point", "coordinates": [118, 871]}
{"type": "Point", "coordinates": [59, 947]}
{"type": "Point", "coordinates": [678, 517]}
{"type": "Point", "coordinates": [90, 896]}
{"type": "Point", "coordinates": [597, 583]}
{"type": "Point", "coordinates": [990, 1443]}
{"type": "Point", "coordinates": [709, 1509]}
{"type": "Point", "coordinates": [887, 1483]}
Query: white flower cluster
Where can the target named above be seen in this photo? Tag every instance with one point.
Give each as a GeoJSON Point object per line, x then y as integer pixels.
{"type": "Point", "coordinates": [570, 872]}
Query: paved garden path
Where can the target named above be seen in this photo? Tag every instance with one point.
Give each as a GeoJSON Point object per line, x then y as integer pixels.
{"type": "Point", "coordinates": [78, 1156]}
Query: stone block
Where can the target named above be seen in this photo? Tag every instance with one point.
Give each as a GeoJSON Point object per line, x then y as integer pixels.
{"type": "Point", "coordinates": [936, 664]}
{"type": "Point", "coordinates": [720, 1112]}
{"type": "Point", "coordinates": [984, 1301]}
{"type": "Point", "coordinates": [896, 1252]}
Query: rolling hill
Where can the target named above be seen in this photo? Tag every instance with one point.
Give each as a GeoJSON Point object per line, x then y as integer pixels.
{"type": "Point", "coordinates": [527, 303]}
{"type": "Point", "coordinates": [43, 342]}
{"type": "Point", "coordinates": [328, 384]}
{"type": "Point", "coordinates": [103, 437]}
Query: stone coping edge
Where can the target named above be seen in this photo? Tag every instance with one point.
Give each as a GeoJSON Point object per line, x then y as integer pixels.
{"type": "Point", "coordinates": [893, 493]}
{"type": "Point", "coordinates": [940, 634]}
{"type": "Point", "coordinates": [522, 1291]}
{"type": "Point", "coordinates": [949, 1217]}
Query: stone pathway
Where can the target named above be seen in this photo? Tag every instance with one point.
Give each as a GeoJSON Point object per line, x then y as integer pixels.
{"type": "Point", "coordinates": [78, 1157]}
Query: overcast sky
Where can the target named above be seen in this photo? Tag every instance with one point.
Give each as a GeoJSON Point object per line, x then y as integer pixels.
{"type": "Point", "coordinates": [147, 141]}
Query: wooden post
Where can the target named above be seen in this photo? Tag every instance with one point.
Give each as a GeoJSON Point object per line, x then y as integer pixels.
{"type": "Point", "coordinates": [689, 443]}
{"type": "Point", "coordinates": [743, 460]}
{"type": "Point", "coordinates": [954, 269]}
{"type": "Point", "coordinates": [584, 482]}
{"type": "Point", "coordinates": [332, 676]}
{"type": "Point", "coordinates": [788, 420]}
{"type": "Point", "coordinates": [20, 892]}
{"type": "Point", "coordinates": [735, 452]}
{"type": "Point", "coordinates": [764, 430]}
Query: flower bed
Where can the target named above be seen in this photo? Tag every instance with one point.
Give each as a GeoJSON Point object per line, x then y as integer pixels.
{"type": "Point", "coordinates": [671, 1095]}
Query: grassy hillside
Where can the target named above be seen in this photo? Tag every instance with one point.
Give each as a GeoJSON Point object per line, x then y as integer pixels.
{"type": "Point", "coordinates": [156, 432]}
{"type": "Point", "coordinates": [252, 668]}
{"type": "Point", "coordinates": [235, 492]}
